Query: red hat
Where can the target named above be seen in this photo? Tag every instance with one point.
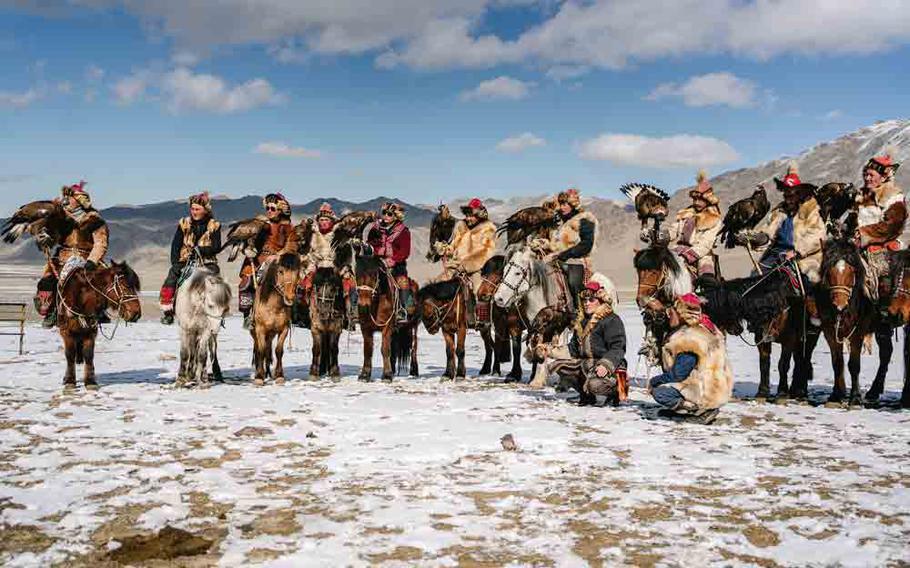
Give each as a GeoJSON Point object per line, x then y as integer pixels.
{"type": "Point", "coordinates": [882, 164]}
{"type": "Point", "coordinates": [326, 212]}
{"type": "Point", "coordinates": [476, 208]}
{"type": "Point", "coordinates": [691, 299]}
{"type": "Point", "coordinates": [790, 180]}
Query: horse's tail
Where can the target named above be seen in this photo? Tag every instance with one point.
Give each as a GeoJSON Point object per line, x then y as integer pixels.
{"type": "Point", "coordinates": [401, 348]}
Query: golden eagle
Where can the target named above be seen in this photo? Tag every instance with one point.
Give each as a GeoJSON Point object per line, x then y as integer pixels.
{"type": "Point", "coordinates": [744, 215]}
{"type": "Point", "coordinates": [529, 222]}
{"type": "Point", "coordinates": [46, 221]}
{"type": "Point", "coordinates": [242, 236]}
{"type": "Point", "coordinates": [441, 228]}
{"type": "Point", "coordinates": [650, 202]}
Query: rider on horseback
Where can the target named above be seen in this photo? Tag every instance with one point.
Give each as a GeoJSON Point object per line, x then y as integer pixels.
{"type": "Point", "coordinates": [598, 349]}
{"type": "Point", "coordinates": [88, 241]}
{"type": "Point", "coordinates": [322, 255]}
{"type": "Point", "coordinates": [793, 233]}
{"type": "Point", "coordinates": [696, 229]}
{"type": "Point", "coordinates": [473, 244]}
{"type": "Point", "coordinates": [390, 239]}
{"type": "Point", "coordinates": [572, 243]}
{"type": "Point", "coordinates": [697, 378]}
{"type": "Point", "coordinates": [882, 216]}
{"type": "Point", "coordinates": [198, 235]}
{"type": "Point", "coordinates": [279, 238]}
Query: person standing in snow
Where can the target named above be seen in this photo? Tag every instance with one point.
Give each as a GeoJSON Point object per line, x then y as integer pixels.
{"type": "Point", "coordinates": [697, 378]}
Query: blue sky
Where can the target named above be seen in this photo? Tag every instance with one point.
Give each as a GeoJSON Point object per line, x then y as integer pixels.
{"type": "Point", "coordinates": [425, 99]}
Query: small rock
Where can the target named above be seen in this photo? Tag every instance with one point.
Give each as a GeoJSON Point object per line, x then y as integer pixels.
{"type": "Point", "coordinates": [252, 432]}
{"type": "Point", "coordinates": [508, 443]}
{"type": "Point", "coordinates": [311, 434]}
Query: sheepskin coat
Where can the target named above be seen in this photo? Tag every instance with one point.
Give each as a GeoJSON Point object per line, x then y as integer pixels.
{"type": "Point", "coordinates": [710, 384]}
{"type": "Point", "coordinates": [808, 235]}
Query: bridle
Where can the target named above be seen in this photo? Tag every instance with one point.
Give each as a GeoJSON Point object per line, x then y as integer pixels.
{"type": "Point", "coordinates": [116, 287]}
{"type": "Point", "coordinates": [525, 276]}
{"type": "Point", "coordinates": [652, 287]}
{"type": "Point", "coordinates": [848, 290]}
{"type": "Point", "coordinates": [374, 292]}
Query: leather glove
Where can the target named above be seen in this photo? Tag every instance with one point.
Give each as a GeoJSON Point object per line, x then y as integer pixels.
{"type": "Point", "coordinates": [645, 236]}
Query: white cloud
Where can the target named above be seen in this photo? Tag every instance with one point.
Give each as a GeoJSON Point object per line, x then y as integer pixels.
{"type": "Point", "coordinates": [710, 90]}
{"type": "Point", "coordinates": [93, 73]}
{"type": "Point", "coordinates": [64, 87]}
{"type": "Point", "coordinates": [520, 143]}
{"type": "Point", "coordinates": [501, 87]}
{"type": "Point", "coordinates": [130, 89]}
{"type": "Point", "coordinates": [832, 114]}
{"type": "Point", "coordinates": [683, 150]}
{"type": "Point", "coordinates": [282, 150]}
{"type": "Point", "coordinates": [188, 91]}
{"type": "Point", "coordinates": [19, 100]}
{"type": "Point", "coordinates": [561, 73]}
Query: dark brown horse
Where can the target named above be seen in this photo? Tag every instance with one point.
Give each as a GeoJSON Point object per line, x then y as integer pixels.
{"type": "Point", "coordinates": [377, 304]}
{"type": "Point", "coordinates": [442, 307]}
{"type": "Point", "coordinates": [899, 308]}
{"type": "Point", "coordinates": [272, 306]}
{"type": "Point", "coordinates": [81, 297]}
{"type": "Point", "coordinates": [505, 344]}
{"type": "Point", "coordinates": [326, 316]}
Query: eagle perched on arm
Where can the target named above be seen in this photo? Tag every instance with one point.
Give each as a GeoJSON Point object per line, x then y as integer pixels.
{"type": "Point", "coordinates": [46, 221]}
{"type": "Point", "coordinates": [441, 228]}
{"type": "Point", "coordinates": [744, 215]}
{"type": "Point", "coordinates": [529, 222]}
{"type": "Point", "coordinates": [242, 236]}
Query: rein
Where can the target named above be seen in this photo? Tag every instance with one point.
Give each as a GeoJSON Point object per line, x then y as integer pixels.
{"type": "Point", "coordinates": [114, 287]}
{"type": "Point", "coordinates": [374, 293]}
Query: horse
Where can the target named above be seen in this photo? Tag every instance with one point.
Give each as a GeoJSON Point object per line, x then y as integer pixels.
{"type": "Point", "coordinates": [662, 277]}
{"type": "Point", "coordinates": [80, 297]}
{"type": "Point", "coordinates": [326, 316]}
{"type": "Point", "coordinates": [846, 312]}
{"type": "Point", "coordinates": [377, 302]}
{"type": "Point", "coordinates": [203, 301]}
{"type": "Point", "coordinates": [899, 307]}
{"type": "Point", "coordinates": [507, 324]}
{"type": "Point", "coordinates": [442, 307]}
{"type": "Point", "coordinates": [272, 306]}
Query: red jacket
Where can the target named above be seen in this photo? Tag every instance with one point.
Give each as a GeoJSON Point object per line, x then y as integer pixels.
{"type": "Point", "coordinates": [390, 242]}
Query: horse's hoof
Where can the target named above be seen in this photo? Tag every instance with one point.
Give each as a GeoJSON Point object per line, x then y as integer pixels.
{"type": "Point", "coordinates": [258, 382]}
{"type": "Point", "coordinates": [873, 396]}
{"type": "Point", "coordinates": [387, 379]}
{"type": "Point", "coordinates": [905, 402]}
{"type": "Point", "coordinates": [279, 380]}
{"type": "Point", "coordinates": [92, 386]}
{"type": "Point", "coordinates": [856, 400]}
{"type": "Point", "coordinates": [69, 386]}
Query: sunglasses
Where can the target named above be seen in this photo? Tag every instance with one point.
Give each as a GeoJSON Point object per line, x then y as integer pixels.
{"type": "Point", "coordinates": [271, 208]}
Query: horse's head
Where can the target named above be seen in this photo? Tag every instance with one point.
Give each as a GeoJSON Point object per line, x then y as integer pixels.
{"type": "Point", "coordinates": [517, 277]}
{"type": "Point", "coordinates": [287, 276]}
{"type": "Point", "coordinates": [491, 276]}
{"type": "Point", "coordinates": [900, 286]}
{"type": "Point", "coordinates": [216, 296]}
{"type": "Point", "coordinates": [368, 272]}
{"type": "Point", "coordinates": [661, 277]}
{"type": "Point", "coordinates": [121, 288]}
{"type": "Point", "coordinates": [842, 273]}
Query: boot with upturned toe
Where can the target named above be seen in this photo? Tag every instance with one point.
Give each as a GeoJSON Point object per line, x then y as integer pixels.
{"type": "Point", "coordinates": [167, 318]}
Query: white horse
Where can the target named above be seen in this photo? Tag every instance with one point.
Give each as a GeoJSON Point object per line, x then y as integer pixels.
{"type": "Point", "coordinates": [203, 301]}
{"type": "Point", "coordinates": [526, 280]}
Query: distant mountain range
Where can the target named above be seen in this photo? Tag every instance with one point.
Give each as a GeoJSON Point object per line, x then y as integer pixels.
{"type": "Point", "coordinates": [142, 233]}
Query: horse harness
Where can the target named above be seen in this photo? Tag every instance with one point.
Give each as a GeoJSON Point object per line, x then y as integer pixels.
{"type": "Point", "coordinates": [116, 287]}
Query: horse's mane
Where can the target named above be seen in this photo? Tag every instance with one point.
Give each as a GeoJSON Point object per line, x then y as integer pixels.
{"type": "Point", "coordinates": [443, 291]}
{"type": "Point", "coordinates": [656, 258]}
{"type": "Point", "coordinates": [132, 279]}
{"type": "Point", "coordinates": [288, 260]}
{"type": "Point", "coordinates": [756, 300]}
{"type": "Point", "coordinates": [494, 265]}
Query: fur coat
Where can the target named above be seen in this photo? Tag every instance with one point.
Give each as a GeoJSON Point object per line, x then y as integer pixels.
{"type": "Point", "coordinates": [321, 254]}
{"type": "Point", "coordinates": [707, 226]}
{"type": "Point", "coordinates": [568, 236]}
{"type": "Point", "coordinates": [89, 239]}
{"type": "Point", "coordinates": [882, 215]}
{"type": "Point", "coordinates": [710, 384]}
{"type": "Point", "coordinates": [809, 235]}
{"type": "Point", "coordinates": [472, 247]}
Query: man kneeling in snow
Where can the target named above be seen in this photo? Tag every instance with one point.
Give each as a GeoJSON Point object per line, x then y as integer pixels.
{"type": "Point", "coordinates": [598, 348]}
{"type": "Point", "coordinates": [697, 378]}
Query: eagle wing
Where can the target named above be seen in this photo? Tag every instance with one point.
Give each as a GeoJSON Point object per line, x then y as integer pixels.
{"type": "Point", "coordinates": [744, 215]}
{"type": "Point", "coordinates": [650, 201]}
{"type": "Point", "coordinates": [351, 225]}
{"type": "Point", "coordinates": [242, 235]}
{"type": "Point", "coordinates": [441, 228]}
{"type": "Point", "coordinates": [304, 231]}
{"type": "Point", "coordinates": [527, 222]}
{"type": "Point", "coordinates": [46, 221]}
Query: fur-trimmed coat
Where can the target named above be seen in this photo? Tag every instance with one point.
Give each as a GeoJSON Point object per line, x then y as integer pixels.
{"type": "Point", "coordinates": [701, 239]}
{"type": "Point", "coordinates": [710, 384]}
{"type": "Point", "coordinates": [574, 240]}
{"type": "Point", "coordinates": [89, 238]}
{"type": "Point", "coordinates": [809, 235]}
{"type": "Point", "coordinates": [882, 215]}
{"type": "Point", "coordinates": [321, 254]}
{"type": "Point", "coordinates": [190, 235]}
{"type": "Point", "coordinates": [600, 339]}
{"type": "Point", "coordinates": [473, 247]}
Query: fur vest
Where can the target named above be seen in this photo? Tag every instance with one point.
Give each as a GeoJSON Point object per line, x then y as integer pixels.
{"type": "Point", "coordinates": [322, 255]}
{"type": "Point", "coordinates": [882, 215]}
{"type": "Point", "coordinates": [279, 238]}
{"type": "Point", "coordinates": [205, 240]}
{"type": "Point", "coordinates": [809, 235]}
{"type": "Point", "coordinates": [707, 226]}
{"type": "Point", "coordinates": [567, 235]}
{"type": "Point", "coordinates": [710, 384]}
{"type": "Point", "coordinates": [89, 239]}
{"type": "Point", "coordinates": [473, 247]}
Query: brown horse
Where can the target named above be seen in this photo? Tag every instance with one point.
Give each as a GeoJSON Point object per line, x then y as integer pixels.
{"type": "Point", "coordinates": [899, 307]}
{"type": "Point", "coordinates": [442, 307]}
{"type": "Point", "coordinates": [275, 296]}
{"type": "Point", "coordinates": [80, 298]}
{"type": "Point", "coordinates": [377, 304]}
{"type": "Point", "coordinates": [326, 316]}
{"type": "Point", "coordinates": [508, 326]}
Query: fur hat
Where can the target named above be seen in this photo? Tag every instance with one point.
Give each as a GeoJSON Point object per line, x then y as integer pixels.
{"type": "Point", "coordinates": [396, 210]}
{"type": "Point", "coordinates": [284, 206]}
{"type": "Point", "coordinates": [883, 164]}
{"type": "Point", "coordinates": [703, 189]}
{"type": "Point", "coordinates": [475, 207]}
{"type": "Point", "coordinates": [326, 212]}
{"type": "Point", "coordinates": [688, 306]}
{"type": "Point", "coordinates": [77, 192]}
{"type": "Point", "coordinates": [569, 196]}
{"type": "Point", "coordinates": [596, 289]}
{"type": "Point", "coordinates": [203, 200]}
{"type": "Point", "coordinates": [790, 180]}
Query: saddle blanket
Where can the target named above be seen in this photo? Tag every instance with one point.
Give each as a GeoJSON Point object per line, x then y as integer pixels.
{"type": "Point", "coordinates": [71, 264]}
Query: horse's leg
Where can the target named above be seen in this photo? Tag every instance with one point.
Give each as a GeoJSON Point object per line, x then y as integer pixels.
{"type": "Point", "coordinates": [837, 362]}
{"type": "Point", "coordinates": [764, 369]}
{"type": "Point", "coordinates": [856, 347]}
{"type": "Point", "coordinates": [387, 372]}
{"type": "Point", "coordinates": [802, 364]}
{"type": "Point", "coordinates": [460, 351]}
{"type": "Point", "coordinates": [88, 355]}
{"type": "Point", "coordinates": [317, 350]}
{"type": "Point", "coordinates": [450, 353]}
{"type": "Point", "coordinates": [367, 369]}
{"type": "Point", "coordinates": [414, 371]}
{"type": "Point", "coordinates": [216, 367]}
{"type": "Point", "coordinates": [783, 370]}
{"type": "Point", "coordinates": [260, 354]}
{"type": "Point", "coordinates": [885, 350]}
{"type": "Point", "coordinates": [69, 348]}
{"type": "Point", "coordinates": [279, 354]}
{"type": "Point", "coordinates": [333, 369]}
{"type": "Point", "coordinates": [905, 393]}
{"type": "Point", "coordinates": [488, 349]}
{"type": "Point", "coordinates": [515, 374]}
{"type": "Point", "coordinates": [185, 342]}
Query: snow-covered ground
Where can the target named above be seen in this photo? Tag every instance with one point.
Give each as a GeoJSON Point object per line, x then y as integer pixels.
{"type": "Point", "coordinates": [346, 473]}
